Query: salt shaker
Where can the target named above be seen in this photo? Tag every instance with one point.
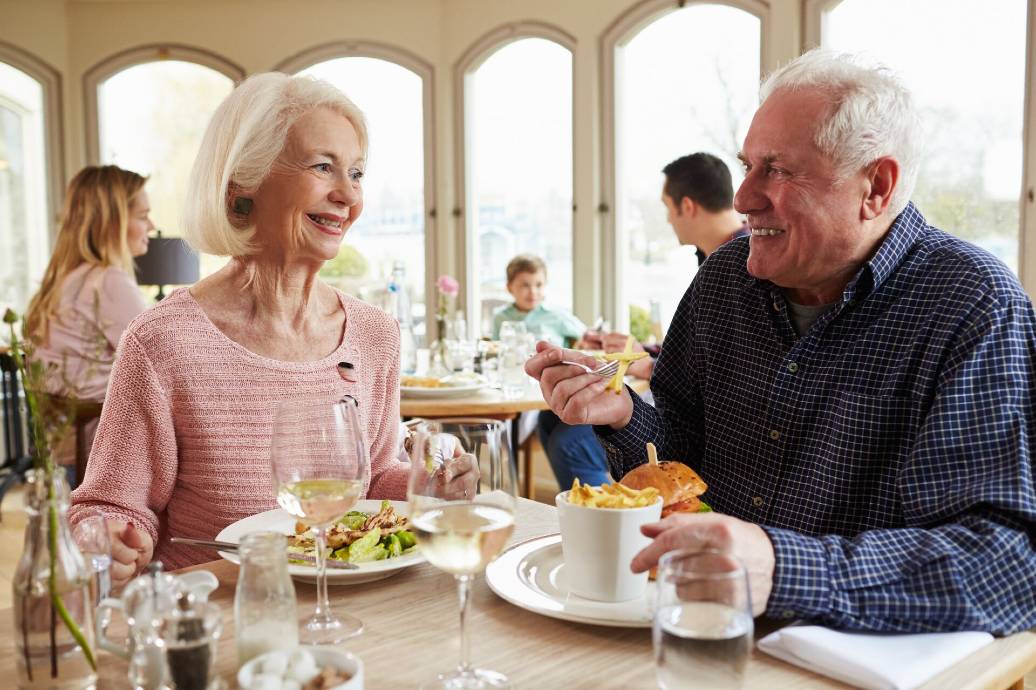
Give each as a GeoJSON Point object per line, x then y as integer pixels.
{"type": "Point", "coordinates": [264, 604]}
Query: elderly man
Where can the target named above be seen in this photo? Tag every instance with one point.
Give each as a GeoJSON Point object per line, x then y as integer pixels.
{"type": "Point", "coordinates": [856, 386]}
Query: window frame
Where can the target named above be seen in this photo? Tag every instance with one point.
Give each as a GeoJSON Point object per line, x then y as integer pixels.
{"type": "Point", "coordinates": [426, 72]}
{"type": "Point", "coordinates": [470, 60]}
{"type": "Point", "coordinates": [132, 57]}
{"type": "Point", "coordinates": [616, 37]}
{"type": "Point", "coordinates": [49, 80]}
{"type": "Point", "coordinates": [812, 33]}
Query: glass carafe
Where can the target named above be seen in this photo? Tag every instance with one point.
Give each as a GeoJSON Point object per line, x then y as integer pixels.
{"type": "Point", "coordinates": [53, 612]}
{"type": "Point", "coordinates": [264, 605]}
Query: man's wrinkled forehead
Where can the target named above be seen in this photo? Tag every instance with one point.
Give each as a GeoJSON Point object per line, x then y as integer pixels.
{"type": "Point", "coordinates": [784, 129]}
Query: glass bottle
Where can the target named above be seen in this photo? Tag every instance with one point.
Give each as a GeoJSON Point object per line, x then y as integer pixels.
{"type": "Point", "coordinates": [54, 643]}
{"type": "Point", "coordinates": [264, 604]}
{"type": "Point", "coordinates": [400, 308]}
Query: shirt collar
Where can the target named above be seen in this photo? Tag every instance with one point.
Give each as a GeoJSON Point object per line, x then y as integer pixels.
{"type": "Point", "coordinates": [904, 232]}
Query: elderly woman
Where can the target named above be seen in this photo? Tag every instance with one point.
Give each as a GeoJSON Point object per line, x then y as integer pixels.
{"type": "Point", "coordinates": [183, 443]}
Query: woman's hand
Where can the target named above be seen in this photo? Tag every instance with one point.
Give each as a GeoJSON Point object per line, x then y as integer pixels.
{"type": "Point", "coordinates": [131, 551]}
{"type": "Point", "coordinates": [460, 477]}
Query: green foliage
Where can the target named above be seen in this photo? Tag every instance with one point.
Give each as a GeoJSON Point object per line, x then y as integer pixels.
{"type": "Point", "coordinates": [640, 323]}
{"type": "Point", "coordinates": [48, 425]}
{"type": "Point", "coordinates": [349, 263]}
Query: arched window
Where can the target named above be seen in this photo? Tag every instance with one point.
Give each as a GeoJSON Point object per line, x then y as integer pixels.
{"type": "Point", "coordinates": [680, 81]}
{"type": "Point", "coordinates": [30, 173]}
{"type": "Point", "coordinates": [151, 115]}
{"type": "Point", "coordinates": [391, 88]}
{"type": "Point", "coordinates": [516, 149]}
{"type": "Point", "coordinates": [971, 101]}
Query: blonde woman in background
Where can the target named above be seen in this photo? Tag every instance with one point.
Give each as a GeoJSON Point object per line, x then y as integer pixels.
{"type": "Point", "coordinates": [89, 294]}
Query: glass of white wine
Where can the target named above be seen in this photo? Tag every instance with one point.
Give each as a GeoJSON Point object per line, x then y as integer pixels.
{"type": "Point", "coordinates": [320, 470]}
{"type": "Point", "coordinates": [462, 499]}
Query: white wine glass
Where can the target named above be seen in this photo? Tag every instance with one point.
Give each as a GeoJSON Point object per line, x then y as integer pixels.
{"type": "Point", "coordinates": [462, 500]}
{"type": "Point", "coordinates": [320, 470]}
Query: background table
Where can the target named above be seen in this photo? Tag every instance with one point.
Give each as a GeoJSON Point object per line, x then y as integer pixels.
{"type": "Point", "coordinates": [411, 634]}
{"type": "Point", "coordinates": [490, 402]}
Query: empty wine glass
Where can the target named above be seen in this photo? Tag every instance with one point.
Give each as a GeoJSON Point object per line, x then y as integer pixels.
{"type": "Point", "coordinates": [320, 470]}
{"type": "Point", "coordinates": [462, 522]}
{"type": "Point", "coordinates": [91, 536]}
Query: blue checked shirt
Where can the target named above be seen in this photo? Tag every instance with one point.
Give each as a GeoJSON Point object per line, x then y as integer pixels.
{"type": "Point", "coordinates": [886, 452]}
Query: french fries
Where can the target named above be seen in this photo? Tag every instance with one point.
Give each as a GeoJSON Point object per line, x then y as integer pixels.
{"type": "Point", "coordinates": [611, 496]}
{"type": "Point", "coordinates": [625, 358]}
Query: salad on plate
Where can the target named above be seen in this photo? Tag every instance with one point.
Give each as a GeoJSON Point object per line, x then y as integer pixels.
{"type": "Point", "coordinates": [359, 537]}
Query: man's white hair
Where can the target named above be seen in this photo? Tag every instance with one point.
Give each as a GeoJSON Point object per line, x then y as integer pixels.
{"type": "Point", "coordinates": [243, 140]}
{"type": "Point", "coordinates": [872, 115]}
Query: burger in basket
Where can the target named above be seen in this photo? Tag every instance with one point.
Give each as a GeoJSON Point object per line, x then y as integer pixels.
{"type": "Point", "coordinates": [678, 484]}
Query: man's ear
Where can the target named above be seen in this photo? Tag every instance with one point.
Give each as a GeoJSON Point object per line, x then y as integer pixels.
{"type": "Point", "coordinates": [687, 206]}
{"type": "Point", "coordinates": [882, 180]}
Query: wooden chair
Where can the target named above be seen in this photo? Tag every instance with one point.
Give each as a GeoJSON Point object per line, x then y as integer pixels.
{"type": "Point", "coordinates": [17, 458]}
{"type": "Point", "coordinates": [79, 413]}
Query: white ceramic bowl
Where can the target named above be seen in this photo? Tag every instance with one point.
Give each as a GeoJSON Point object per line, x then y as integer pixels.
{"type": "Point", "coordinates": [599, 544]}
{"type": "Point", "coordinates": [324, 656]}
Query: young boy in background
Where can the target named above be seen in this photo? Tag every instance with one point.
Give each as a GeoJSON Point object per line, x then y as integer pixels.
{"type": "Point", "coordinates": [526, 281]}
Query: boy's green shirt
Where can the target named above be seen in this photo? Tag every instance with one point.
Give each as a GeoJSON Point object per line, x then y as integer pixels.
{"type": "Point", "coordinates": [555, 325]}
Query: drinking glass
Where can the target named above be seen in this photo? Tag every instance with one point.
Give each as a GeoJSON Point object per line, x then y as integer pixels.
{"type": "Point", "coordinates": [91, 536]}
{"type": "Point", "coordinates": [320, 469]}
{"type": "Point", "coordinates": [703, 621]}
{"type": "Point", "coordinates": [462, 526]}
{"type": "Point", "coordinates": [509, 330]}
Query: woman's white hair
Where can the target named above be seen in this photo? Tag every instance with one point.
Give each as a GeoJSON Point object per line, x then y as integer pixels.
{"type": "Point", "coordinates": [245, 136]}
{"type": "Point", "coordinates": [872, 115]}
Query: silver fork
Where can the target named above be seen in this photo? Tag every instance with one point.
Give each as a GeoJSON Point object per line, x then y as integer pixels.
{"type": "Point", "coordinates": [606, 370]}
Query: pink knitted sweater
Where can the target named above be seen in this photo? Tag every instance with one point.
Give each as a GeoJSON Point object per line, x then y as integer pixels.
{"type": "Point", "coordinates": [183, 445]}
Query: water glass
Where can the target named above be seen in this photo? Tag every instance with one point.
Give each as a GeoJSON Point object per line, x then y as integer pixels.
{"type": "Point", "coordinates": [703, 621]}
{"type": "Point", "coordinates": [512, 330]}
{"type": "Point", "coordinates": [92, 538]}
{"type": "Point", "coordinates": [513, 379]}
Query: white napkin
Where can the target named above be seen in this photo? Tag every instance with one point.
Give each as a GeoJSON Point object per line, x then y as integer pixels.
{"type": "Point", "coordinates": [871, 660]}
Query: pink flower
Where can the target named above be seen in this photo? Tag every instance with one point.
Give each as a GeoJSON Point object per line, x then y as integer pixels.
{"type": "Point", "coordinates": [448, 285]}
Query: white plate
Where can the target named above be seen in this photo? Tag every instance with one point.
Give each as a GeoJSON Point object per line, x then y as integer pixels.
{"type": "Point", "coordinates": [278, 520]}
{"type": "Point", "coordinates": [442, 392]}
{"type": "Point", "coordinates": [531, 575]}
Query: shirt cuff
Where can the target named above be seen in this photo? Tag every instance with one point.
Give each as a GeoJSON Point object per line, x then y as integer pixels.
{"type": "Point", "coordinates": [801, 583]}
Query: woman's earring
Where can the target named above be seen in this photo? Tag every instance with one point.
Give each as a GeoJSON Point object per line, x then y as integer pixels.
{"type": "Point", "coordinates": [242, 206]}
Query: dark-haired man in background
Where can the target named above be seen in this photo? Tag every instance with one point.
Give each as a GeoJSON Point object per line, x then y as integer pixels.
{"type": "Point", "coordinates": [699, 197]}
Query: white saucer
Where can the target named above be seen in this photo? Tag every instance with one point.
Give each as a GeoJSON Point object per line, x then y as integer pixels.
{"type": "Point", "coordinates": [531, 575]}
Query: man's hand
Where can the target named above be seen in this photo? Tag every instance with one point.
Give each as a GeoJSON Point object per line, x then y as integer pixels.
{"type": "Point", "coordinates": [575, 396]}
{"type": "Point", "coordinates": [131, 551]}
{"type": "Point", "coordinates": [616, 342]}
{"type": "Point", "coordinates": [714, 532]}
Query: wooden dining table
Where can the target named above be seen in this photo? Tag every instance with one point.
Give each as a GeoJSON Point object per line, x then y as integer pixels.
{"type": "Point", "coordinates": [411, 634]}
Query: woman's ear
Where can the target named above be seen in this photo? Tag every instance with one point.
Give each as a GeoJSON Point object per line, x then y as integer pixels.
{"type": "Point", "coordinates": [240, 205]}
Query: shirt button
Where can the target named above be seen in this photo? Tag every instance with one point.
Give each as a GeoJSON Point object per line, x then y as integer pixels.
{"type": "Point", "coordinates": [774, 434]}
{"type": "Point", "coordinates": [757, 501]}
{"type": "Point", "coordinates": [793, 367]}
{"type": "Point", "coordinates": [776, 307]}
{"type": "Point", "coordinates": [787, 614]}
